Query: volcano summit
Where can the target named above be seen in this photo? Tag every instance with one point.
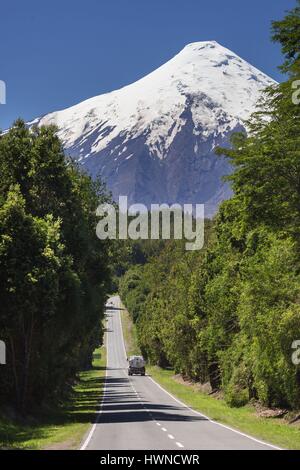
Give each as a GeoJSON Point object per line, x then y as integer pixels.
{"type": "Point", "coordinates": [154, 140]}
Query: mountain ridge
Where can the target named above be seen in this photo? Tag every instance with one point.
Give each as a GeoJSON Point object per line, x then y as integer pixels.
{"type": "Point", "coordinates": [153, 140]}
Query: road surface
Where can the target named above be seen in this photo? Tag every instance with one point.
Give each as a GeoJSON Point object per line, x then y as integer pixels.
{"type": "Point", "coordinates": [136, 413]}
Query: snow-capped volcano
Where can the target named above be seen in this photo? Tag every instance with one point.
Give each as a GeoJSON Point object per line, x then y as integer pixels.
{"type": "Point", "coordinates": [154, 140]}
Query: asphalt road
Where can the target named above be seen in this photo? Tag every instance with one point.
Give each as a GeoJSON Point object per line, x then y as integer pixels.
{"type": "Point", "coordinates": [136, 413]}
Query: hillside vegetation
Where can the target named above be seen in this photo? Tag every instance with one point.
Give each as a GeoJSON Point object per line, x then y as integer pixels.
{"type": "Point", "coordinates": [54, 272]}
{"type": "Point", "coordinates": [229, 314]}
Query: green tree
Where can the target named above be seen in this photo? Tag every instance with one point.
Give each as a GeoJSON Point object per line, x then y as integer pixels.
{"type": "Point", "coordinates": [55, 273]}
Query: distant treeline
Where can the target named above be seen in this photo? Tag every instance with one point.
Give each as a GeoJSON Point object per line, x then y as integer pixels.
{"type": "Point", "coordinates": [230, 313]}
{"type": "Point", "coordinates": [54, 272]}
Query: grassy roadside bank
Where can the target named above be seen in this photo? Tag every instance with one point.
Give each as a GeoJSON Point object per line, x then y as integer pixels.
{"type": "Point", "coordinates": [273, 430]}
{"type": "Point", "coordinates": [63, 427]}
{"type": "Point", "coordinates": [129, 334]}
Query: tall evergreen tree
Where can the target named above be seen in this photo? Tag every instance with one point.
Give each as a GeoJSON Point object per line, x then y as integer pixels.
{"type": "Point", "coordinates": [54, 272]}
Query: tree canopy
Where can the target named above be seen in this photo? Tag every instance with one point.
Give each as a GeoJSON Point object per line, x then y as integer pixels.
{"type": "Point", "coordinates": [54, 272]}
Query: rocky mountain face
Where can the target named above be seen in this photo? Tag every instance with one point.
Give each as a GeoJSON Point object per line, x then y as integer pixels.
{"type": "Point", "coordinates": [154, 140]}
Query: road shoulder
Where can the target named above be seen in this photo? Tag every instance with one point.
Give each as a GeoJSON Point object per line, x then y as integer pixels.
{"type": "Point", "coordinates": [276, 431]}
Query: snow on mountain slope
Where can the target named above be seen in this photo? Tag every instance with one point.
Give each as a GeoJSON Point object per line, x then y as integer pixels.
{"type": "Point", "coordinates": [154, 140]}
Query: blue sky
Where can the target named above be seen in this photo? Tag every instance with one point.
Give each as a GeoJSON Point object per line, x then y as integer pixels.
{"type": "Point", "coordinates": [55, 54]}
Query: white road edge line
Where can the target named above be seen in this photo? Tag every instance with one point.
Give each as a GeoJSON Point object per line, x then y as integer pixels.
{"type": "Point", "coordinates": [92, 430]}
{"type": "Point", "coordinates": [211, 420]}
{"type": "Point", "coordinates": [201, 414]}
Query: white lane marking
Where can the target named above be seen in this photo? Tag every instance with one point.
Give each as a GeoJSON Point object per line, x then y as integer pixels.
{"type": "Point", "coordinates": [92, 430]}
{"type": "Point", "coordinates": [197, 412]}
{"type": "Point", "coordinates": [211, 420]}
{"type": "Point", "coordinates": [90, 435]}
{"type": "Point", "coordinates": [179, 445]}
{"type": "Point", "coordinates": [125, 353]}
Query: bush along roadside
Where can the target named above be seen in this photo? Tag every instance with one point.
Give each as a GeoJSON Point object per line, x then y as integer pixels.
{"type": "Point", "coordinates": [54, 271]}
{"type": "Point", "coordinates": [56, 427]}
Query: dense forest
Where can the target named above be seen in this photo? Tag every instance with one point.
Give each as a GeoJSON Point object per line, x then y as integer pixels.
{"type": "Point", "coordinates": [54, 272]}
{"type": "Point", "coordinates": [229, 314]}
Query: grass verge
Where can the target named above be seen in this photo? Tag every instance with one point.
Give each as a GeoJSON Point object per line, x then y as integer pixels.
{"type": "Point", "coordinates": [273, 430]}
{"type": "Point", "coordinates": [60, 427]}
{"type": "Point", "coordinates": [129, 333]}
